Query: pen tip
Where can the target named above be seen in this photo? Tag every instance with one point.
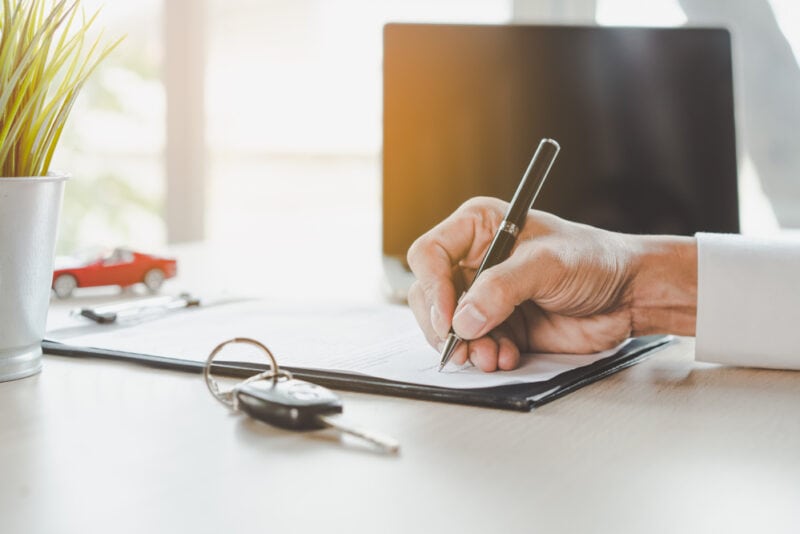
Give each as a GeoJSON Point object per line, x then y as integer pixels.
{"type": "Point", "coordinates": [447, 350]}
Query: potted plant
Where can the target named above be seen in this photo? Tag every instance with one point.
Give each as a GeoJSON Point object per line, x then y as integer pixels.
{"type": "Point", "coordinates": [45, 59]}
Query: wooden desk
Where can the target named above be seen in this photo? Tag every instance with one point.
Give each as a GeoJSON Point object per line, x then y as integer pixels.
{"type": "Point", "coordinates": [666, 446]}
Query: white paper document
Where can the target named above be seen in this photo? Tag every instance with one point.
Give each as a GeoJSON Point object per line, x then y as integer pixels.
{"type": "Point", "coordinates": [382, 341]}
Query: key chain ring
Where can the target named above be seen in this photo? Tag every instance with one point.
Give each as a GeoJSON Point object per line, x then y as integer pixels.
{"type": "Point", "coordinates": [228, 398]}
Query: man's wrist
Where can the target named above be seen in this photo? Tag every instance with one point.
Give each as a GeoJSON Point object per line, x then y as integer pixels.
{"type": "Point", "coordinates": [663, 295]}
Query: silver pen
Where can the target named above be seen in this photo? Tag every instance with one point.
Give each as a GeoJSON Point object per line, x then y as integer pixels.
{"type": "Point", "coordinates": [136, 309]}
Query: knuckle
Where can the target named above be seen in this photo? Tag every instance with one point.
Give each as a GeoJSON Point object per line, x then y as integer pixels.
{"type": "Point", "coordinates": [472, 204]}
{"type": "Point", "coordinates": [429, 291]}
{"type": "Point", "coordinates": [547, 255]}
{"type": "Point", "coordinates": [417, 250]}
{"type": "Point", "coordinates": [500, 286]}
{"type": "Point", "coordinates": [482, 213]}
{"type": "Point", "coordinates": [480, 204]}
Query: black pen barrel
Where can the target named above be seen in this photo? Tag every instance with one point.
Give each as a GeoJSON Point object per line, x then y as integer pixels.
{"type": "Point", "coordinates": [532, 181]}
{"type": "Point", "coordinates": [509, 229]}
{"type": "Point", "coordinates": [499, 250]}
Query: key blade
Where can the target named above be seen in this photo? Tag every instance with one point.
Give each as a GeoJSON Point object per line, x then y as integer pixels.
{"type": "Point", "coordinates": [385, 443]}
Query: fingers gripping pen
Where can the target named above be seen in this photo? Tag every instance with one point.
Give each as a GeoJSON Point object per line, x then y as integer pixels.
{"type": "Point", "coordinates": [514, 220]}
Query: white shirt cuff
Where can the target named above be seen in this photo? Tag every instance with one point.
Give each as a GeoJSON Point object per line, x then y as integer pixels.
{"type": "Point", "coordinates": [748, 301]}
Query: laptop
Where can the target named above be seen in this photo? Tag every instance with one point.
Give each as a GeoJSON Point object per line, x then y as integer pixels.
{"type": "Point", "coordinates": [644, 117]}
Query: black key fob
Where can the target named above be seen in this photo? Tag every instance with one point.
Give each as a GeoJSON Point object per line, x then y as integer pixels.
{"type": "Point", "coordinates": [291, 404]}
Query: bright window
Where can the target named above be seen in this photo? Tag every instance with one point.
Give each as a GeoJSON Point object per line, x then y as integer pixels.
{"type": "Point", "coordinates": [294, 117]}
{"type": "Point", "coordinates": [114, 140]}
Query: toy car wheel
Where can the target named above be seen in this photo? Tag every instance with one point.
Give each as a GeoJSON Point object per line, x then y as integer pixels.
{"type": "Point", "coordinates": [153, 279]}
{"type": "Point", "coordinates": [64, 285]}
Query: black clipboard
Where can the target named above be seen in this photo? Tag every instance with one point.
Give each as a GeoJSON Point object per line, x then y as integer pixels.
{"type": "Point", "coordinates": [522, 397]}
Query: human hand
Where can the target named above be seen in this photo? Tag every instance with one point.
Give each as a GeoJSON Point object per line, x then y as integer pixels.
{"type": "Point", "coordinates": [565, 288]}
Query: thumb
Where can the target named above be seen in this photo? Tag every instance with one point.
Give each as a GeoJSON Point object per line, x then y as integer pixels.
{"type": "Point", "coordinates": [494, 295]}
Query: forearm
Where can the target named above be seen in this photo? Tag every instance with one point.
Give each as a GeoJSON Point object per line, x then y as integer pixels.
{"type": "Point", "coordinates": [663, 293]}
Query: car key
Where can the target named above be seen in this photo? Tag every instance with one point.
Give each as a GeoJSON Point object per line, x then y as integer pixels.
{"type": "Point", "coordinates": [298, 405]}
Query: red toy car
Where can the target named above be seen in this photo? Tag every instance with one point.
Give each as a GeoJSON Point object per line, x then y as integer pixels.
{"type": "Point", "coordinates": [122, 267]}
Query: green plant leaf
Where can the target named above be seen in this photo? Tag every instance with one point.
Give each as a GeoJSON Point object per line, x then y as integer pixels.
{"type": "Point", "coordinates": [43, 67]}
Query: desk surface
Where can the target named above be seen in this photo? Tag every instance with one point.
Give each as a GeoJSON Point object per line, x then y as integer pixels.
{"type": "Point", "coordinates": [666, 446]}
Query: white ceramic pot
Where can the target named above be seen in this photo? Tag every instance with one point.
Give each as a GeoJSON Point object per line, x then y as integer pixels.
{"type": "Point", "coordinates": [29, 211]}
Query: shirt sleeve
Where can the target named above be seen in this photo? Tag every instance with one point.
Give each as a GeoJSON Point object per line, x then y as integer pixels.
{"type": "Point", "coordinates": [748, 301]}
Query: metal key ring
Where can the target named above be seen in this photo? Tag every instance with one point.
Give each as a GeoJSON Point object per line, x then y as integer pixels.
{"type": "Point", "coordinates": [228, 398]}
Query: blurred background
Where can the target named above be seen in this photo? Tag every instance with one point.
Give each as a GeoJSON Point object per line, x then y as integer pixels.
{"type": "Point", "coordinates": [232, 121]}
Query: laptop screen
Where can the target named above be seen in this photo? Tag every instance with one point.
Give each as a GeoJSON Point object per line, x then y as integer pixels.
{"type": "Point", "coordinates": [644, 118]}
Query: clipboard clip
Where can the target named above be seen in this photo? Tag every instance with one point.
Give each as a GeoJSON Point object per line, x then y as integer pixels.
{"type": "Point", "coordinates": [136, 309]}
